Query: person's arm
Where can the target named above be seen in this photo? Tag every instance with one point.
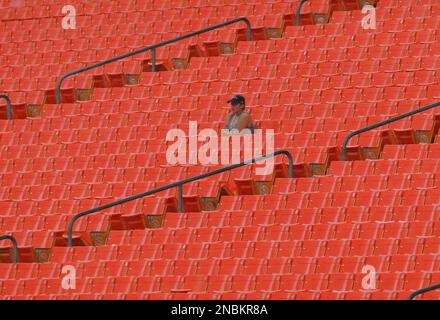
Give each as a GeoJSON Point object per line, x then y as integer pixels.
{"type": "Point", "coordinates": [227, 120]}
{"type": "Point", "coordinates": [245, 122]}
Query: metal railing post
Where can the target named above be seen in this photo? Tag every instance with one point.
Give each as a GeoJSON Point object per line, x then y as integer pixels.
{"type": "Point", "coordinates": [424, 290]}
{"type": "Point", "coordinates": [180, 198]}
{"type": "Point", "coordinates": [178, 184]}
{"type": "Point", "coordinates": [14, 245]}
{"type": "Point", "coordinates": [9, 105]}
{"type": "Point", "coordinates": [153, 60]}
{"type": "Point", "coordinates": [249, 30]}
{"type": "Point", "coordinates": [58, 90]}
{"type": "Point", "coordinates": [383, 123]}
{"type": "Point", "coordinates": [289, 156]}
{"type": "Point", "coordinates": [152, 47]}
{"type": "Point", "coordinates": [298, 12]}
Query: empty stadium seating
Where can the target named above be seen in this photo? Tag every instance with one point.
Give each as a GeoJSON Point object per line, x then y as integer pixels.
{"type": "Point", "coordinates": [241, 236]}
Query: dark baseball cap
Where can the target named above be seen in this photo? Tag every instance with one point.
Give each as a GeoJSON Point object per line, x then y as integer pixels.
{"type": "Point", "coordinates": [237, 99]}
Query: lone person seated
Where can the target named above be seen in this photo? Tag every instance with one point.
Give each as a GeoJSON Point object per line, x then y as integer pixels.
{"type": "Point", "coordinates": [239, 119]}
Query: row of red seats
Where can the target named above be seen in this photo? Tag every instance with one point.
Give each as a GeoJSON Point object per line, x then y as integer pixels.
{"type": "Point", "coordinates": [67, 51]}
{"type": "Point", "coordinates": [229, 11]}
{"type": "Point", "coordinates": [373, 84]}
{"type": "Point", "coordinates": [343, 230]}
{"type": "Point", "coordinates": [320, 200]}
{"type": "Point", "coordinates": [47, 223]}
{"type": "Point", "coordinates": [133, 251]}
{"type": "Point", "coordinates": [350, 74]}
{"type": "Point", "coordinates": [242, 58]}
{"type": "Point", "coordinates": [343, 91]}
{"type": "Point", "coordinates": [54, 161]}
{"type": "Point", "coordinates": [143, 28]}
{"type": "Point", "coordinates": [83, 149]}
{"type": "Point", "coordinates": [300, 216]}
{"type": "Point", "coordinates": [109, 178]}
{"type": "Point", "coordinates": [261, 250]}
{"type": "Point", "coordinates": [54, 173]}
{"type": "Point", "coordinates": [142, 9]}
{"type": "Point", "coordinates": [232, 232]}
{"type": "Point", "coordinates": [234, 266]}
{"type": "Point", "coordinates": [390, 43]}
{"type": "Point", "coordinates": [265, 51]}
{"type": "Point", "coordinates": [81, 143]}
{"type": "Point", "coordinates": [126, 247]}
{"type": "Point", "coordinates": [207, 111]}
{"type": "Point", "coordinates": [298, 94]}
{"type": "Point", "coordinates": [398, 3]}
{"type": "Point", "coordinates": [302, 157]}
{"type": "Point", "coordinates": [57, 207]}
{"type": "Point", "coordinates": [79, 160]}
{"type": "Point", "coordinates": [104, 161]}
{"type": "Point", "coordinates": [55, 222]}
{"type": "Point", "coordinates": [393, 10]}
{"type": "Point", "coordinates": [369, 140]}
{"type": "Point", "coordinates": [222, 284]}
{"type": "Point", "coordinates": [28, 241]}
{"type": "Point", "coordinates": [90, 50]}
{"type": "Point", "coordinates": [179, 238]}
{"type": "Point", "coordinates": [259, 277]}
{"type": "Point", "coordinates": [115, 176]}
{"type": "Point", "coordinates": [108, 139]}
{"type": "Point", "coordinates": [389, 14]}
{"type": "Point", "coordinates": [360, 183]}
{"type": "Point", "coordinates": [364, 168]}
{"type": "Point", "coordinates": [351, 53]}
{"type": "Point", "coordinates": [123, 161]}
{"type": "Point", "coordinates": [109, 127]}
{"type": "Point", "coordinates": [360, 54]}
{"type": "Point", "coordinates": [409, 151]}
{"type": "Point", "coordinates": [302, 95]}
{"type": "Point", "coordinates": [154, 31]}
{"type": "Point", "coordinates": [75, 167]}
{"type": "Point", "coordinates": [77, 190]}
{"type": "Point", "coordinates": [21, 100]}
{"type": "Point", "coordinates": [114, 5]}
{"type": "Point", "coordinates": [240, 242]}
{"type": "Point", "coordinates": [279, 295]}
{"type": "Point", "coordinates": [105, 126]}
{"type": "Point", "coordinates": [348, 27]}
{"type": "Point", "coordinates": [74, 192]}
{"type": "Point", "coordinates": [347, 55]}
{"type": "Point", "coordinates": [140, 95]}
{"type": "Point", "coordinates": [48, 147]}
{"type": "Point", "coordinates": [107, 39]}
{"type": "Point", "coordinates": [331, 76]}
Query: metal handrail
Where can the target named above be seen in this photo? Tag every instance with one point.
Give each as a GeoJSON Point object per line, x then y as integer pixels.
{"type": "Point", "coordinates": [14, 244]}
{"type": "Point", "coordinates": [8, 102]}
{"type": "Point", "coordinates": [383, 123]}
{"type": "Point", "coordinates": [423, 290]}
{"type": "Point", "coordinates": [153, 49]}
{"type": "Point", "coordinates": [178, 184]}
{"type": "Point", "coordinates": [298, 12]}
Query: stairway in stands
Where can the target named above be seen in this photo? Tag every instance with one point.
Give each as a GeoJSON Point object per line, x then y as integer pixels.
{"type": "Point", "coordinates": [242, 236]}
